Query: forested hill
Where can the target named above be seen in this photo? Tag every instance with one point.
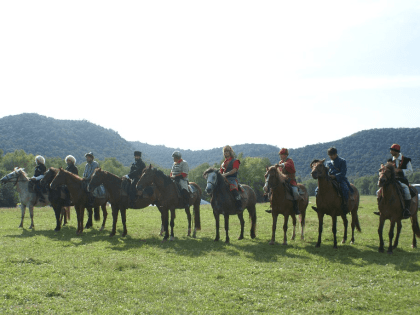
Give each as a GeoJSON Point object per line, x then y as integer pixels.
{"type": "Point", "coordinates": [50, 137]}
{"type": "Point", "coordinates": [35, 134]}
{"type": "Point", "coordinates": [364, 151]}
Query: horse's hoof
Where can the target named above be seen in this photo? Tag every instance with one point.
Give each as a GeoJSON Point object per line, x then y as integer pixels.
{"type": "Point", "coordinates": [381, 250]}
{"type": "Point", "coordinates": [172, 238]}
{"type": "Point", "coordinates": [352, 243]}
{"type": "Point", "coordinates": [284, 243]}
{"type": "Point", "coordinates": [32, 227]}
{"type": "Point", "coordinates": [124, 234]}
{"type": "Point", "coordinates": [389, 252]}
{"type": "Point", "coordinates": [57, 229]}
{"type": "Point", "coordinates": [271, 243]}
{"type": "Point", "coordinates": [335, 247]}
{"type": "Point", "coordinates": [302, 238]}
{"type": "Point", "coordinates": [293, 238]}
{"type": "Point", "coordinates": [240, 238]}
{"type": "Point", "coordinates": [112, 234]}
{"type": "Point", "coordinates": [317, 245]}
{"type": "Point", "coordinates": [102, 228]}
{"type": "Point", "coordinates": [413, 246]}
{"type": "Point", "coordinates": [343, 242]}
{"type": "Point", "coordinates": [227, 242]}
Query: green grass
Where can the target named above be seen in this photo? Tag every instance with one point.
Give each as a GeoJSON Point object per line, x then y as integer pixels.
{"type": "Point", "coordinates": [47, 272]}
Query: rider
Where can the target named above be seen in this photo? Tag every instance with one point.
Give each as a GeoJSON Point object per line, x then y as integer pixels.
{"type": "Point", "coordinates": [229, 169]}
{"type": "Point", "coordinates": [179, 174]}
{"type": "Point", "coordinates": [90, 167]}
{"type": "Point", "coordinates": [40, 170]}
{"type": "Point", "coordinates": [287, 167]}
{"type": "Point", "coordinates": [135, 171]}
{"type": "Point", "coordinates": [337, 169]}
{"type": "Point", "coordinates": [72, 168]}
{"type": "Point", "coordinates": [403, 169]}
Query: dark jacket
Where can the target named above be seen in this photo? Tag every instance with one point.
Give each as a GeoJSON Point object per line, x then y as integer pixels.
{"type": "Point", "coordinates": [40, 169]}
{"type": "Point", "coordinates": [72, 169]}
{"type": "Point", "coordinates": [136, 169]}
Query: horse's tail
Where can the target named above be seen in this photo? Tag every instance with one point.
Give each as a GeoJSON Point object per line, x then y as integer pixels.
{"type": "Point", "coordinates": [96, 214]}
{"type": "Point", "coordinates": [196, 208]}
{"type": "Point", "coordinates": [415, 224]}
{"type": "Point", "coordinates": [356, 215]}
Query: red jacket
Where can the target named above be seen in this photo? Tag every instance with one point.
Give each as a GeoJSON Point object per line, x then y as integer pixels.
{"type": "Point", "coordinates": [289, 170]}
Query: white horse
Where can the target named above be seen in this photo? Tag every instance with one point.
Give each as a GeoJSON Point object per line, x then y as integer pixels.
{"type": "Point", "coordinates": [27, 199]}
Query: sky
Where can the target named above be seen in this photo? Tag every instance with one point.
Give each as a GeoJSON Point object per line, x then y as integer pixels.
{"type": "Point", "coordinates": [202, 74]}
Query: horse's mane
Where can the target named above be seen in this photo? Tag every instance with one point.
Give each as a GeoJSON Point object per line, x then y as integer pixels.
{"type": "Point", "coordinates": [22, 170]}
{"type": "Point", "coordinates": [280, 175]}
{"type": "Point", "coordinates": [220, 178]}
{"type": "Point", "coordinates": [315, 161]}
{"type": "Point", "coordinates": [166, 179]}
{"type": "Point", "coordinates": [106, 173]}
{"type": "Point", "coordinates": [71, 174]}
{"type": "Point", "coordinates": [210, 170]}
{"type": "Point", "coordinates": [391, 168]}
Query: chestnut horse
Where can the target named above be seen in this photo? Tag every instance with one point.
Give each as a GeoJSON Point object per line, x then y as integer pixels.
{"type": "Point", "coordinates": [57, 197]}
{"type": "Point", "coordinates": [223, 202]}
{"type": "Point", "coordinates": [79, 197]}
{"type": "Point", "coordinates": [276, 181]}
{"type": "Point", "coordinates": [390, 206]}
{"type": "Point", "coordinates": [119, 201]}
{"type": "Point", "coordinates": [168, 199]}
{"type": "Point", "coordinates": [329, 202]}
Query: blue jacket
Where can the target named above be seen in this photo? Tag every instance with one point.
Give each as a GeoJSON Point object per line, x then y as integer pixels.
{"type": "Point", "coordinates": [338, 167]}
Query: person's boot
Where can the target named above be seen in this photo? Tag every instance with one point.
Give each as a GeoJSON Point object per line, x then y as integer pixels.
{"type": "Point", "coordinates": [345, 207]}
{"type": "Point", "coordinates": [238, 201]}
{"type": "Point", "coordinates": [296, 207]}
{"type": "Point", "coordinates": [406, 212]}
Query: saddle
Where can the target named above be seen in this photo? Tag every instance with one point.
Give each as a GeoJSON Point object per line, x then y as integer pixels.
{"type": "Point", "coordinates": [33, 184]}
{"type": "Point", "coordinates": [125, 187]}
{"type": "Point", "coordinates": [289, 193]}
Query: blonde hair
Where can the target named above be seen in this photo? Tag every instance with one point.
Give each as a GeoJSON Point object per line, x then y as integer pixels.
{"type": "Point", "coordinates": [229, 148]}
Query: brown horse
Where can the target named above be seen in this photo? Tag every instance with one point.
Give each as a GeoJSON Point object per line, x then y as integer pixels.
{"type": "Point", "coordinates": [57, 197]}
{"type": "Point", "coordinates": [79, 197]}
{"type": "Point", "coordinates": [276, 181]}
{"type": "Point", "coordinates": [119, 201]}
{"type": "Point", "coordinates": [390, 206]}
{"type": "Point", "coordinates": [329, 202]}
{"type": "Point", "coordinates": [223, 202]}
{"type": "Point", "coordinates": [168, 199]}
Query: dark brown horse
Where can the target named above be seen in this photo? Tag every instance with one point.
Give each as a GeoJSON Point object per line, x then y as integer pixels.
{"type": "Point", "coordinates": [57, 197]}
{"type": "Point", "coordinates": [119, 201]}
{"type": "Point", "coordinates": [280, 204]}
{"type": "Point", "coordinates": [329, 202]}
{"type": "Point", "coordinates": [390, 206]}
{"type": "Point", "coordinates": [223, 203]}
{"type": "Point", "coordinates": [169, 200]}
{"type": "Point", "coordinates": [79, 197]}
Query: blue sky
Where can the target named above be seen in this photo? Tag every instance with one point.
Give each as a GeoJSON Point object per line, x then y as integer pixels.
{"type": "Point", "coordinates": [203, 74]}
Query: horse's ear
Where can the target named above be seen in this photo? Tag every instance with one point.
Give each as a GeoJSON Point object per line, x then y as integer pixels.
{"type": "Point", "coordinates": [150, 166]}
{"type": "Point", "coordinates": [277, 166]}
{"type": "Point", "coordinates": [323, 160]}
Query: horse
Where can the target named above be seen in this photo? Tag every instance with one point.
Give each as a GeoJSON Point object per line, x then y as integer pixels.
{"type": "Point", "coordinates": [390, 205]}
{"type": "Point", "coordinates": [57, 197]}
{"type": "Point", "coordinates": [80, 198]}
{"type": "Point", "coordinates": [168, 199]}
{"type": "Point", "coordinates": [119, 201]}
{"type": "Point", "coordinates": [223, 202]}
{"type": "Point", "coordinates": [328, 202]}
{"type": "Point", "coordinates": [27, 198]}
{"type": "Point", "coordinates": [276, 181]}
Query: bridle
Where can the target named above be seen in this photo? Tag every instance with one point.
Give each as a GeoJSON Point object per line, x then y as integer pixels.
{"type": "Point", "coordinates": [214, 184]}
{"type": "Point", "coordinates": [268, 185]}
{"type": "Point", "coordinates": [8, 178]}
{"type": "Point", "coordinates": [326, 172]}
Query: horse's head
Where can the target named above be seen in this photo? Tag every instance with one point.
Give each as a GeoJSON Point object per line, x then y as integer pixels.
{"type": "Point", "coordinates": [386, 174]}
{"type": "Point", "coordinates": [59, 179]}
{"type": "Point", "coordinates": [96, 179]}
{"type": "Point", "coordinates": [271, 178]}
{"type": "Point", "coordinates": [14, 176]}
{"type": "Point", "coordinates": [318, 169]}
{"type": "Point", "coordinates": [211, 175]}
{"type": "Point", "coordinates": [49, 176]}
{"type": "Point", "coordinates": [147, 177]}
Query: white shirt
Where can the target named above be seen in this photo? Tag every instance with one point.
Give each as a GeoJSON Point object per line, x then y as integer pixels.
{"type": "Point", "coordinates": [407, 172]}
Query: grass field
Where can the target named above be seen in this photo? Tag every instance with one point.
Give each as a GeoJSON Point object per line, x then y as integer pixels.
{"type": "Point", "coordinates": [47, 272]}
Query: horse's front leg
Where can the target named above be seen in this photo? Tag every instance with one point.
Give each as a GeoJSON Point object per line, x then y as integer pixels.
{"type": "Point", "coordinates": [397, 237]}
{"type": "Point", "coordinates": [188, 212]}
{"type": "Point", "coordinates": [105, 215]}
{"type": "Point", "coordinates": [172, 224]}
{"type": "Point", "coordinates": [82, 217]}
{"type": "Point", "coordinates": [346, 223]}
{"type": "Point", "coordinates": [165, 218]}
{"type": "Point", "coordinates": [22, 211]}
{"type": "Point", "coordinates": [89, 222]}
{"type": "Point", "coordinates": [79, 218]}
{"type": "Point", "coordinates": [227, 227]}
{"type": "Point", "coordinates": [31, 213]}
{"type": "Point", "coordinates": [57, 213]}
{"type": "Point", "coordinates": [391, 235]}
{"type": "Point", "coordinates": [115, 210]}
{"type": "Point", "coordinates": [123, 211]}
{"type": "Point", "coordinates": [217, 219]}
{"type": "Point", "coordinates": [274, 228]}
{"type": "Point", "coordinates": [294, 227]}
{"type": "Point", "coordinates": [286, 221]}
{"type": "Point", "coordinates": [320, 227]}
{"type": "Point", "coordinates": [242, 222]}
{"type": "Point", "coordinates": [380, 233]}
{"type": "Point", "coordinates": [334, 229]}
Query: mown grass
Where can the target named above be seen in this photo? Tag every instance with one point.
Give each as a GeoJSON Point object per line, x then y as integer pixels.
{"type": "Point", "coordinates": [47, 272]}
